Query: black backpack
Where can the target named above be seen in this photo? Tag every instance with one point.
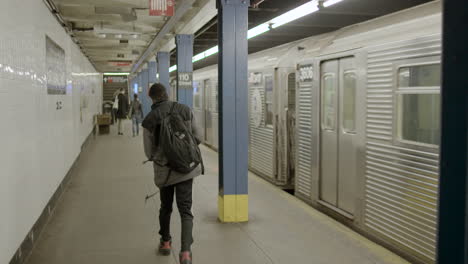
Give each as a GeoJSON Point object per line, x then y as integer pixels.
{"type": "Point", "coordinates": [178, 143]}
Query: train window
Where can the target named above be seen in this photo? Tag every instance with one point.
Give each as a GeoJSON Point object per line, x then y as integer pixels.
{"type": "Point", "coordinates": [292, 90]}
{"type": "Point", "coordinates": [329, 101]}
{"type": "Point", "coordinates": [207, 91]}
{"type": "Point", "coordinates": [420, 118]}
{"type": "Point", "coordinates": [215, 97]}
{"type": "Point", "coordinates": [196, 95]}
{"type": "Point", "coordinates": [419, 104]}
{"type": "Point", "coordinates": [419, 76]}
{"type": "Point", "coordinates": [269, 100]}
{"type": "Point", "coordinates": [349, 102]}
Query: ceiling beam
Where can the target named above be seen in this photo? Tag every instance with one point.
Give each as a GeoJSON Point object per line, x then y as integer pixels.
{"type": "Point", "coordinates": [207, 11]}
{"type": "Point", "coordinates": [181, 10]}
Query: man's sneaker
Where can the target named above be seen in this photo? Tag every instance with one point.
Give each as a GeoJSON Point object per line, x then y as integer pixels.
{"type": "Point", "coordinates": [165, 248]}
{"type": "Point", "coordinates": [185, 257]}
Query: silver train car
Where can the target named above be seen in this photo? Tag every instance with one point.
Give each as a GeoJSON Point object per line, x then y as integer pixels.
{"type": "Point", "coordinates": [350, 120]}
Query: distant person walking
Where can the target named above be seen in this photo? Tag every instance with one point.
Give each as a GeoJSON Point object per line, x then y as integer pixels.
{"type": "Point", "coordinates": [115, 106]}
{"type": "Point", "coordinates": [122, 110]}
{"type": "Point", "coordinates": [136, 114]}
{"type": "Point", "coordinates": [170, 141]}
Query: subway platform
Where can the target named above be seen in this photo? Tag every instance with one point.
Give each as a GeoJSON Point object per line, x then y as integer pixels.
{"type": "Point", "coordinates": [102, 218]}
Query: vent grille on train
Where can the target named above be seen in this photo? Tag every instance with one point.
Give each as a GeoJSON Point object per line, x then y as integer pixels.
{"type": "Point", "coordinates": [401, 182]}
{"type": "Point", "coordinates": [261, 144]}
{"type": "Point", "coordinates": [304, 139]}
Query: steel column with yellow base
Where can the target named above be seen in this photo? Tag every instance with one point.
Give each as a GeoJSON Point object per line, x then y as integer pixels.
{"type": "Point", "coordinates": [233, 208]}
{"type": "Point", "coordinates": [233, 110]}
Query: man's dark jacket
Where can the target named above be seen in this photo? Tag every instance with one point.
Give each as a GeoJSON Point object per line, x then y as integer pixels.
{"type": "Point", "coordinates": [152, 151]}
{"type": "Point", "coordinates": [122, 111]}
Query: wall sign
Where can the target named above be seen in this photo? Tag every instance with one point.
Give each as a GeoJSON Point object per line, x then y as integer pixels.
{"type": "Point", "coordinates": [185, 80]}
{"type": "Point", "coordinates": [161, 7]}
{"type": "Point", "coordinates": [255, 78]}
{"type": "Point", "coordinates": [56, 68]}
{"type": "Point", "coordinates": [306, 73]}
{"type": "Point", "coordinates": [115, 79]}
{"type": "Point", "coordinates": [120, 63]}
{"type": "Point", "coordinates": [256, 108]}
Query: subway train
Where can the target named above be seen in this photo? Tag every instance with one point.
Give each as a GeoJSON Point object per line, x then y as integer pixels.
{"type": "Point", "coordinates": [350, 120]}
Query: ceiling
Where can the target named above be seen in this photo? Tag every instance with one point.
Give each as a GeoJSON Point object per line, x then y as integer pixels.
{"type": "Point", "coordinates": [114, 34]}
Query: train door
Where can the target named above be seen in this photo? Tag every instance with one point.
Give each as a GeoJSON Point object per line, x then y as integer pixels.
{"type": "Point", "coordinates": [338, 134]}
{"type": "Point", "coordinates": [199, 109]}
{"type": "Point", "coordinates": [284, 124]}
{"type": "Point", "coordinates": [291, 127]}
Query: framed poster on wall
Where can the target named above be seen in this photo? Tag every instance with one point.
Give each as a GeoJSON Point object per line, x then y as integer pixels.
{"type": "Point", "coordinates": [56, 68]}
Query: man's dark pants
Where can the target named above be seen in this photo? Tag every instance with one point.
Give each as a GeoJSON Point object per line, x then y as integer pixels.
{"type": "Point", "coordinates": [183, 193]}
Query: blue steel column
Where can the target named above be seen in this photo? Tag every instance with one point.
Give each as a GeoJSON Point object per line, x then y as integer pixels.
{"type": "Point", "coordinates": [233, 110]}
{"type": "Point", "coordinates": [138, 82]}
{"type": "Point", "coordinates": [152, 71]}
{"type": "Point", "coordinates": [131, 80]}
{"type": "Point", "coordinates": [163, 69]}
{"type": "Point", "coordinates": [453, 194]}
{"type": "Point", "coordinates": [184, 65]}
{"type": "Point", "coordinates": [144, 84]}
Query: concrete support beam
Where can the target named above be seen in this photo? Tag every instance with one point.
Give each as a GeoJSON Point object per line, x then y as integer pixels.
{"type": "Point", "coordinates": [207, 12]}
{"type": "Point", "coordinates": [181, 9]}
{"type": "Point", "coordinates": [184, 45]}
{"type": "Point", "coordinates": [163, 70]}
{"type": "Point", "coordinates": [233, 110]}
{"type": "Point", "coordinates": [453, 191]}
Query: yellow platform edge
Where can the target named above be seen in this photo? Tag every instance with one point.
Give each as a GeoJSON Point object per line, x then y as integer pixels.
{"type": "Point", "coordinates": [233, 208]}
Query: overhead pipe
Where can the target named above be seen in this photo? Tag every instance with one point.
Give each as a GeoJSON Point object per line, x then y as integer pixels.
{"type": "Point", "coordinates": [256, 3]}
{"type": "Point", "coordinates": [55, 12]}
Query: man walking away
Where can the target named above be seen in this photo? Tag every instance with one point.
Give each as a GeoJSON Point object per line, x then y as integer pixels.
{"type": "Point", "coordinates": [136, 113]}
{"type": "Point", "coordinates": [122, 109]}
{"type": "Point", "coordinates": [170, 180]}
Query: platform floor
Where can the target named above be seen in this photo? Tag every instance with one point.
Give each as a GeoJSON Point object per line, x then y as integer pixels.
{"type": "Point", "coordinates": [102, 219]}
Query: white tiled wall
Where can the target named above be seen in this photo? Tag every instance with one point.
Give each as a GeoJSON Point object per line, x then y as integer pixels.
{"type": "Point", "coordinates": [38, 143]}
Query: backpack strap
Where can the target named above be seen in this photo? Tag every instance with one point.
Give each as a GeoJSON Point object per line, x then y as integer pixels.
{"type": "Point", "coordinates": [172, 108]}
{"type": "Point", "coordinates": [168, 176]}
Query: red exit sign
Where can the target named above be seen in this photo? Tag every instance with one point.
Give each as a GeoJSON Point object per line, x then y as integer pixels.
{"type": "Point", "coordinates": [162, 7]}
{"type": "Point", "coordinates": [120, 63]}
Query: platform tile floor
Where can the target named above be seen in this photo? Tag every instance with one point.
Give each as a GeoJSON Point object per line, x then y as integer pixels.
{"type": "Point", "coordinates": [102, 219]}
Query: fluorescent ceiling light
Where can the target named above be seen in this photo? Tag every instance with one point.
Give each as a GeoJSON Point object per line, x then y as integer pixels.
{"type": "Point", "coordinates": [258, 30]}
{"type": "Point", "coordinates": [198, 57]}
{"type": "Point", "coordinates": [119, 36]}
{"type": "Point", "coordinates": [211, 51]}
{"type": "Point", "coordinates": [83, 74]}
{"type": "Point", "coordinates": [102, 35]}
{"type": "Point", "coordinates": [117, 73]}
{"type": "Point", "coordinates": [331, 2]}
{"type": "Point", "coordinates": [299, 12]}
{"type": "Point", "coordinates": [135, 36]}
{"type": "Point", "coordinates": [294, 14]}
